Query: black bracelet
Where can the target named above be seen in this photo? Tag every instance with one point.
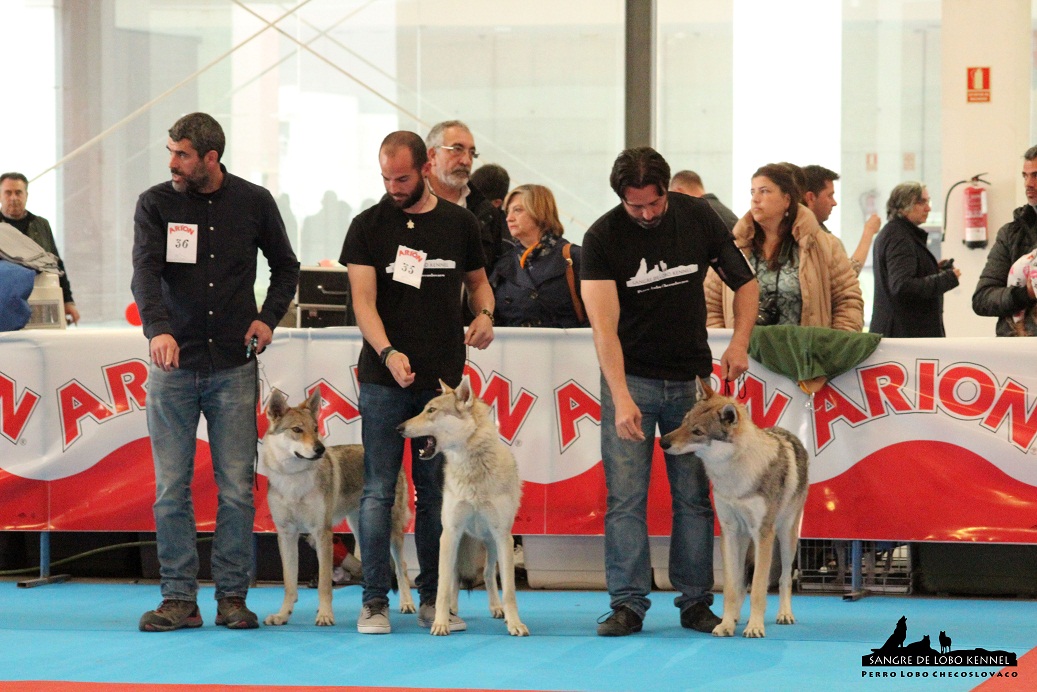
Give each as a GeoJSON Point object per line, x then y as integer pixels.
{"type": "Point", "coordinates": [386, 352]}
{"type": "Point", "coordinates": [488, 313]}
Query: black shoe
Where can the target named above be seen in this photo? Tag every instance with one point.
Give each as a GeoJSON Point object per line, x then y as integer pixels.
{"type": "Point", "coordinates": [621, 622]}
{"type": "Point", "coordinates": [699, 618]}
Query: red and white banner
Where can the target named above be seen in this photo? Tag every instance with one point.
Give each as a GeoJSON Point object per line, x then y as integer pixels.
{"type": "Point", "coordinates": [927, 440]}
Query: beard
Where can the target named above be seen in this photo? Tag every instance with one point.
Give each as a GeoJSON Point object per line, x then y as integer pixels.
{"type": "Point", "coordinates": [413, 198]}
{"type": "Point", "coordinates": [456, 178]}
{"type": "Point", "coordinates": [190, 183]}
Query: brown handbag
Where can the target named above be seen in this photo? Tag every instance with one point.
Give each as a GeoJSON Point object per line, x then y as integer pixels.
{"type": "Point", "coordinates": [570, 278]}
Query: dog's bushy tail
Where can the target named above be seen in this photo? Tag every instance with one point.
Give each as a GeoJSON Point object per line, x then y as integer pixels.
{"type": "Point", "coordinates": [471, 558]}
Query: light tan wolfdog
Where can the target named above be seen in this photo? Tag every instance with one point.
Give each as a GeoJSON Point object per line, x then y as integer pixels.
{"type": "Point", "coordinates": [481, 494]}
{"type": "Point", "coordinates": [759, 487]}
{"type": "Point", "coordinates": [313, 488]}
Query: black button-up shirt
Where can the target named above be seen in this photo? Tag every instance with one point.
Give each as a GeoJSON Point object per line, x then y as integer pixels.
{"type": "Point", "coordinates": [209, 305]}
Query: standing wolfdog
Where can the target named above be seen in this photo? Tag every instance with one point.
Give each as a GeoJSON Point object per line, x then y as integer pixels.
{"type": "Point", "coordinates": [759, 488]}
{"type": "Point", "coordinates": [481, 493]}
{"type": "Point", "coordinates": [311, 489]}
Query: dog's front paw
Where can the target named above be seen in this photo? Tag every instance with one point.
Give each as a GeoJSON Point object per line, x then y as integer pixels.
{"type": "Point", "coordinates": [325, 619]}
{"type": "Point", "coordinates": [497, 612]}
{"type": "Point", "coordinates": [786, 619]}
{"type": "Point", "coordinates": [440, 629]}
{"type": "Point", "coordinates": [277, 619]}
{"type": "Point", "coordinates": [518, 629]}
{"type": "Point", "coordinates": [754, 630]}
{"type": "Point", "coordinates": [726, 628]}
{"type": "Point", "coordinates": [408, 607]}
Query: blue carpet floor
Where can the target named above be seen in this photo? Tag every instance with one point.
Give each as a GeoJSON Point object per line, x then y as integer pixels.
{"type": "Point", "coordinates": [87, 632]}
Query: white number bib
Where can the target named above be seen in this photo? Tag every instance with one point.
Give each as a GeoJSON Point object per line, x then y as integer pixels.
{"type": "Point", "coordinates": [409, 266]}
{"type": "Point", "coordinates": [182, 243]}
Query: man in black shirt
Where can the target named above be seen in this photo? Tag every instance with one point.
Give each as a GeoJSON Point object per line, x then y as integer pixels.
{"type": "Point", "coordinates": [194, 273]}
{"type": "Point", "coordinates": [408, 257]}
{"type": "Point", "coordinates": [643, 267]}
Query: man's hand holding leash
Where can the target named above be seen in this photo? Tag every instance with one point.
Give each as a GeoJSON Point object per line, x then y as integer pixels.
{"type": "Point", "coordinates": [262, 333]}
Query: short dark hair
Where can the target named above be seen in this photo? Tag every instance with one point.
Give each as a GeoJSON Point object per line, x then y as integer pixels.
{"type": "Point", "coordinates": [15, 176]}
{"type": "Point", "coordinates": [1031, 153]}
{"type": "Point", "coordinates": [491, 180]}
{"type": "Point", "coordinates": [202, 131]}
{"type": "Point", "coordinates": [817, 178]}
{"type": "Point", "coordinates": [639, 167]}
{"type": "Point", "coordinates": [687, 177]}
{"type": "Point", "coordinates": [405, 139]}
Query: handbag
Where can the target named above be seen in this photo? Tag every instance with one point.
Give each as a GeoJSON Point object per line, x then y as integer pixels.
{"type": "Point", "coordinates": [570, 278]}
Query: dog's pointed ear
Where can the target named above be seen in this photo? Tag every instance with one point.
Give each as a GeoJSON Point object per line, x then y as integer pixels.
{"type": "Point", "coordinates": [277, 405]}
{"type": "Point", "coordinates": [702, 389]}
{"type": "Point", "coordinates": [314, 401]}
{"type": "Point", "coordinates": [464, 393]}
{"type": "Point", "coordinates": [729, 414]}
{"type": "Point", "coordinates": [444, 387]}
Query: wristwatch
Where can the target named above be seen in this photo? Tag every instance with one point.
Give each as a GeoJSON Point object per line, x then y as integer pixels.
{"type": "Point", "coordinates": [488, 313]}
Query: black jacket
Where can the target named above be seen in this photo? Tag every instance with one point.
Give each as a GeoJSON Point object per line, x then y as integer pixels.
{"type": "Point", "coordinates": [909, 284]}
{"type": "Point", "coordinates": [538, 294]}
{"type": "Point", "coordinates": [993, 298]}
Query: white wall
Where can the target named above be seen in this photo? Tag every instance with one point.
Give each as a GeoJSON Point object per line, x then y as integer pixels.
{"type": "Point", "coordinates": [983, 137]}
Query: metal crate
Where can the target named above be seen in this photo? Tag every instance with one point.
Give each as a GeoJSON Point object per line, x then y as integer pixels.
{"type": "Point", "coordinates": [827, 566]}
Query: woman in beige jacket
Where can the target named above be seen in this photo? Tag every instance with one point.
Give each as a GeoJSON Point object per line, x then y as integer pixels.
{"type": "Point", "coordinates": [804, 273]}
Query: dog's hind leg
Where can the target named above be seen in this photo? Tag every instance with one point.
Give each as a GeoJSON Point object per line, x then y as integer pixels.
{"type": "Point", "coordinates": [396, 552]}
{"type": "Point", "coordinates": [506, 559]}
{"type": "Point", "coordinates": [288, 546]}
{"type": "Point", "coordinates": [788, 540]}
{"type": "Point", "coordinates": [325, 567]}
{"type": "Point", "coordinates": [761, 580]}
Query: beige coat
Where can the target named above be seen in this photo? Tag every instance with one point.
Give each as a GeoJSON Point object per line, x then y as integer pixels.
{"type": "Point", "coordinates": [830, 288]}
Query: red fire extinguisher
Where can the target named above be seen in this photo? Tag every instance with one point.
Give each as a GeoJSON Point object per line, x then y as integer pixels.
{"type": "Point", "coordinates": [975, 204]}
{"type": "Point", "coordinates": [975, 201]}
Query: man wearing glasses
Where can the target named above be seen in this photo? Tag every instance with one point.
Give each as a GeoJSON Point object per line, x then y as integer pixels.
{"type": "Point", "coordinates": [451, 151]}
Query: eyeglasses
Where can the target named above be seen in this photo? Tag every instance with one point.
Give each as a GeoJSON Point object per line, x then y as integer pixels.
{"type": "Point", "coordinates": [458, 150]}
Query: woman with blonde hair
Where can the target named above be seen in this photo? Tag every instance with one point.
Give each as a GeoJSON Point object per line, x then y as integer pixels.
{"type": "Point", "coordinates": [536, 283]}
{"type": "Point", "coordinates": [804, 273]}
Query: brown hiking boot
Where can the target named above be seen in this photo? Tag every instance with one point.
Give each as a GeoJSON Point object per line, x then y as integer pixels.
{"type": "Point", "coordinates": [231, 612]}
{"type": "Point", "coordinates": [171, 615]}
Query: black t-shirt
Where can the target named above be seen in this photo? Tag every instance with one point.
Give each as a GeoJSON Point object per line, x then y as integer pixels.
{"type": "Point", "coordinates": [424, 323]}
{"type": "Point", "coordinates": [659, 274]}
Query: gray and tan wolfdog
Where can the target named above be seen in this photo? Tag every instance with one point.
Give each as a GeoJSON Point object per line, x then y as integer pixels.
{"type": "Point", "coordinates": [312, 488]}
{"type": "Point", "coordinates": [759, 488]}
{"type": "Point", "coordinates": [481, 494]}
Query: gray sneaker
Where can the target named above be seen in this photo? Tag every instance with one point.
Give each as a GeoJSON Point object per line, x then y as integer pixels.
{"type": "Point", "coordinates": [171, 615]}
{"type": "Point", "coordinates": [374, 619]}
{"type": "Point", "coordinates": [427, 615]}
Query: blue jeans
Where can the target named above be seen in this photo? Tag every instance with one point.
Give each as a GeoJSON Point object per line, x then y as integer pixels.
{"type": "Point", "coordinates": [176, 401]}
{"type": "Point", "coordinates": [382, 409]}
{"type": "Point", "coordinates": [628, 465]}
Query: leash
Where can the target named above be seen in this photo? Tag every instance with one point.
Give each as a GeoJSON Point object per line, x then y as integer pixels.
{"type": "Point", "coordinates": [738, 391]}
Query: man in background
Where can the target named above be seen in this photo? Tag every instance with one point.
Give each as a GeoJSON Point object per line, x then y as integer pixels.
{"type": "Point", "coordinates": [994, 297]}
{"type": "Point", "coordinates": [819, 197]}
{"type": "Point", "coordinates": [690, 183]}
{"type": "Point", "coordinates": [451, 152]}
{"type": "Point", "coordinates": [14, 193]}
{"type": "Point", "coordinates": [493, 182]}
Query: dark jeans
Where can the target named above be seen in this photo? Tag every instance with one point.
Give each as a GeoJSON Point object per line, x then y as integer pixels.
{"type": "Point", "coordinates": [382, 409]}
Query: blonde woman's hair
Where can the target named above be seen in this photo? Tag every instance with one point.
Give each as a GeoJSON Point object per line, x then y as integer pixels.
{"type": "Point", "coordinates": [540, 205]}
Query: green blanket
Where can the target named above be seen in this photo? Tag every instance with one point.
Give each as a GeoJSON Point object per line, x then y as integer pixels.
{"type": "Point", "coordinates": [809, 353]}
